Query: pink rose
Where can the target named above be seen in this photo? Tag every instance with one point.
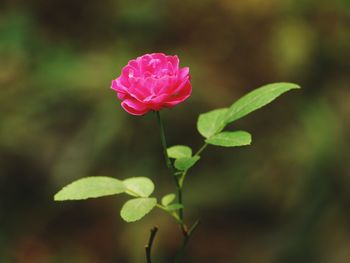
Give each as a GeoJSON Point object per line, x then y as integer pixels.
{"type": "Point", "coordinates": [152, 82]}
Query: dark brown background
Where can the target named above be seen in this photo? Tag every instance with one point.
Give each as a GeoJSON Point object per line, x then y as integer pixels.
{"type": "Point", "coordinates": [285, 199]}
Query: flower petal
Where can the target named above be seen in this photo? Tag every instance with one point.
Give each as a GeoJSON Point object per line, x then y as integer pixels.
{"type": "Point", "coordinates": [183, 73]}
{"type": "Point", "coordinates": [134, 107]}
{"type": "Point", "coordinates": [181, 96]}
{"type": "Point", "coordinates": [152, 82]}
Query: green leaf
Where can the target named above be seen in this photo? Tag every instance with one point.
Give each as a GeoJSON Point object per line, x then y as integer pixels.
{"type": "Point", "coordinates": [183, 164]}
{"type": "Point", "coordinates": [230, 139]}
{"type": "Point", "coordinates": [179, 151]}
{"type": "Point", "coordinates": [90, 187]}
{"type": "Point", "coordinates": [257, 99]}
{"type": "Point", "coordinates": [174, 207]}
{"type": "Point", "coordinates": [211, 122]}
{"type": "Point", "coordinates": [139, 186]}
{"type": "Point", "coordinates": [167, 199]}
{"type": "Point", "coordinates": [137, 208]}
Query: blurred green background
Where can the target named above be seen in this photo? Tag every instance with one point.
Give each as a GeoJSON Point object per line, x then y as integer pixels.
{"type": "Point", "coordinates": [283, 199]}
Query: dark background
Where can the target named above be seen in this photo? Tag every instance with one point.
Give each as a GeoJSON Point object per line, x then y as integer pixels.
{"type": "Point", "coordinates": [284, 199]}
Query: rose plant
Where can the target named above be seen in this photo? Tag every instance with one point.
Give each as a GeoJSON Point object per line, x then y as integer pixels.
{"type": "Point", "coordinates": [153, 82]}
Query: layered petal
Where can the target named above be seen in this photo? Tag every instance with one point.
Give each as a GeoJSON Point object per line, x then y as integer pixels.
{"type": "Point", "coordinates": [184, 94]}
{"type": "Point", "coordinates": [134, 107]}
{"type": "Point", "coordinates": [152, 82]}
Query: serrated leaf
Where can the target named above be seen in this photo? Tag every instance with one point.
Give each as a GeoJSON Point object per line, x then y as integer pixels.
{"type": "Point", "coordinates": [230, 139]}
{"type": "Point", "coordinates": [139, 186]}
{"type": "Point", "coordinates": [137, 208]}
{"type": "Point", "coordinates": [257, 99]}
{"type": "Point", "coordinates": [179, 151]}
{"type": "Point", "coordinates": [167, 199]}
{"type": "Point", "coordinates": [90, 187]}
{"type": "Point", "coordinates": [183, 164]}
{"type": "Point", "coordinates": [211, 122]}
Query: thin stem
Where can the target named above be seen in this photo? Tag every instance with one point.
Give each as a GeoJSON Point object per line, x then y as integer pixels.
{"type": "Point", "coordinates": [173, 214]}
{"type": "Point", "coordinates": [185, 241]}
{"type": "Point", "coordinates": [148, 247]}
{"type": "Point", "coordinates": [172, 170]}
{"type": "Point", "coordinates": [179, 184]}
{"type": "Point", "coordinates": [164, 144]}
{"type": "Point", "coordinates": [179, 198]}
{"type": "Point", "coordinates": [183, 175]}
{"type": "Point", "coordinates": [201, 149]}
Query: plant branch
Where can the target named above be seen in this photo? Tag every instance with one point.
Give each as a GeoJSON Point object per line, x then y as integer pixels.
{"type": "Point", "coordinates": [173, 214]}
{"type": "Point", "coordinates": [184, 173]}
{"type": "Point", "coordinates": [148, 247]}
{"type": "Point", "coordinates": [172, 170]}
{"type": "Point", "coordinates": [185, 241]}
{"type": "Point", "coordinates": [179, 198]}
{"type": "Point", "coordinates": [164, 144]}
{"type": "Point", "coordinates": [201, 149]}
{"type": "Point", "coordinates": [179, 184]}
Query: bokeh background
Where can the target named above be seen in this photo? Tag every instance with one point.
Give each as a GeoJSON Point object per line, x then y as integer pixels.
{"type": "Point", "coordinates": [285, 198]}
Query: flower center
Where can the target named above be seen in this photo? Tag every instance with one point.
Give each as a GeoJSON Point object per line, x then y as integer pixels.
{"type": "Point", "coordinates": [154, 62]}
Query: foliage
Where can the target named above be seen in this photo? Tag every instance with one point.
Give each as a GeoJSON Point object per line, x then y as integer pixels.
{"type": "Point", "coordinates": [91, 187]}
{"type": "Point", "coordinates": [209, 125]}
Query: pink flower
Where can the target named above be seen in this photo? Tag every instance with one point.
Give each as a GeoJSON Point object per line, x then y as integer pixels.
{"type": "Point", "coordinates": [152, 82]}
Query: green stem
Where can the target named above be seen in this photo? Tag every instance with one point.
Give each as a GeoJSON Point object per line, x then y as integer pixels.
{"type": "Point", "coordinates": [179, 184]}
{"type": "Point", "coordinates": [201, 149]}
{"type": "Point", "coordinates": [172, 170]}
{"type": "Point", "coordinates": [179, 197]}
{"type": "Point", "coordinates": [185, 241]}
{"type": "Point", "coordinates": [164, 144]}
{"type": "Point", "coordinates": [183, 175]}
